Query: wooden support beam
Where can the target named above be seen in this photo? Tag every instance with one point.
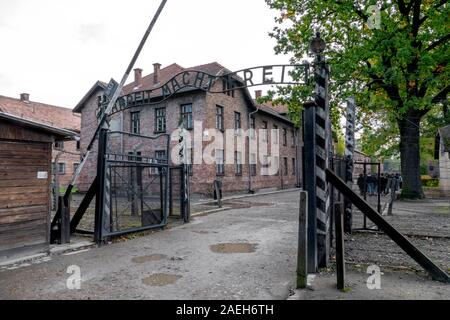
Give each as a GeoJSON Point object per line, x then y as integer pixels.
{"type": "Point", "coordinates": [84, 205]}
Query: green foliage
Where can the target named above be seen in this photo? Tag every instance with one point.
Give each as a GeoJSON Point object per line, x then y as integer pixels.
{"type": "Point", "coordinates": [340, 149]}
{"type": "Point", "coordinates": [429, 182]}
{"type": "Point", "coordinates": [397, 72]}
{"type": "Point", "coordinates": [64, 189]}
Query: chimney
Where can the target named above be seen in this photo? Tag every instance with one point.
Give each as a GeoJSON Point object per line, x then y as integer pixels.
{"type": "Point", "coordinates": [156, 72]}
{"type": "Point", "coordinates": [137, 77]}
{"type": "Point", "coordinates": [258, 94]}
{"type": "Point", "coordinates": [25, 97]}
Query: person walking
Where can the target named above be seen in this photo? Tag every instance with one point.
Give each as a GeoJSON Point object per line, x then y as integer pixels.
{"type": "Point", "coordinates": [360, 183]}
{"type": "Point", "coordinates": [383, 183]}
{"type": "Point", "coordinates": [370, 184]}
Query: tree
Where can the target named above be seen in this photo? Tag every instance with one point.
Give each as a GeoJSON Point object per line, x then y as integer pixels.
{"type": "Point", "coordinates": [392, 57]}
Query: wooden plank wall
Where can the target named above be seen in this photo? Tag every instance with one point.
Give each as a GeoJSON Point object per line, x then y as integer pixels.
{"type": "Point", "coordinates": [24, 199]}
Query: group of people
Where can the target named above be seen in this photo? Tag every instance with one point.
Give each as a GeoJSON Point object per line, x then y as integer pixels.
{"type": "Point", "coordinates": [386, 183]}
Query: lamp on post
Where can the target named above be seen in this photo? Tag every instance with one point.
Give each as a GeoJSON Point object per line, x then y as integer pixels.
{"type": "Point", "coordinates": [317, 44]}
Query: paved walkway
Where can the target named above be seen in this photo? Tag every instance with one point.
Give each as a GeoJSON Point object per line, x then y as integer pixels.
{"type": "Point", "coordinates": [242, 253]}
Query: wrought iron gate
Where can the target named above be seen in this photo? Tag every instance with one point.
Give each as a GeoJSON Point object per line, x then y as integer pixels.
{"type": "Point", "coordinates": [134, 185]}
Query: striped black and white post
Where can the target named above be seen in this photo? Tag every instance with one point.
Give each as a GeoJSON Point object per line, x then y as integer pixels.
{"type": "Point", "coordinates": [322, 152]}
{"type": "Point", "coordinates": [107, 223]}
{"type": "Point", "coordinates": [349, 151]}
{"type": "Point", "coordinates": [183, 154]}
{"type": "Point", "coordinates": [317, 147]}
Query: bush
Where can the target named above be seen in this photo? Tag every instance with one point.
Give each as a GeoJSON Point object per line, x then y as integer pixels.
{"type": "Point", "coordinates": [429, 182]}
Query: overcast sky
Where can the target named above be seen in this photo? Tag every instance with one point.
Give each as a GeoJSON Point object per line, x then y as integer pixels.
{"type": "Point", "coordinates": [56, 49]}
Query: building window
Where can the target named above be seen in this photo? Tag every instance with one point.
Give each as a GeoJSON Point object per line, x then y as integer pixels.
{"type": "Point", "coordinates": [228, 88]}
{"type": "Point", "coordinates": [61, 168]}
{"type": "Point", "coordinates": [253, 164]}
{"type": "Point", "coordinates": [285, 162]}
{"type": "Point", "coordinates": [219, 118]}
{"type": "Point", "coordinates": [75, 167]}
{"type": "Point", "coordinates": [252, 127]}
{"type": "Point", "coordinates": [293, 144]}
{"type": "Point", "coordinates": [294, 167]}
{"type": "Point", "coordinates": [275, 136]}
{"type": "Point", "coordinates": [160, 156]}
{"type": "Point", "coordinates": [220, 167]}
{"type": "Point", "coordinates": [238, 163]}
{"type": "Point", "coordinates": [284, 137]}
{"type": "Point", "coordinates": [265, 136]}
{"type": "Point", "coordinates": [237, 123]}
{"type": "Point", "coordinates": [160, 120]}
{"type": "Point", "coordinates": [59, 145]}
{"type": "Point", "coordinates": [186, 116]}
{"type": "Point", "coordinates": [135, 122]}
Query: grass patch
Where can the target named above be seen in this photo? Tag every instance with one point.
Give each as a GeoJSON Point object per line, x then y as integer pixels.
{"type": "Point", "coordinates": [63, 190]}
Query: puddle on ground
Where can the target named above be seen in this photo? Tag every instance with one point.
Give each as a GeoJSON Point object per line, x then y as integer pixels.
{"type": "Point", "coordinates": [200, 231]}
{"type": "Point", "coordinates": [246, 205]}
{"type": "Point", "coordinates": [233, 247]}
{"type": "Point", "coordinates": [161, 279]}
{"type": "Point", "coordinates": [152, 257]}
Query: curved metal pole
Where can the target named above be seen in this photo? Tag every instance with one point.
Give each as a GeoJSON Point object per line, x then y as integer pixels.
{"type": "Point", "coordinates": [118, 90]}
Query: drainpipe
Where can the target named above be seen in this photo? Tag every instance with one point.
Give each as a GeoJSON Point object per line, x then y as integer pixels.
{"type": "Point", "coordinates": [249, 155]}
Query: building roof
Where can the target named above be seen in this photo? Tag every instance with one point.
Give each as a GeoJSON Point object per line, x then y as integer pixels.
{"type": "Point", "coordinates": [59, 133]}
{"type": "Point", "coordinates": [444, 135]}
{"type": "Point", "coordinates": [168, 73]}
{"type": "Point", "coordinates": [50, 115]}
{"type": "Point", "coordinates": [279, 108]}
{"type": "Point", "coordinates": [360, 152]}
{"type": "Point", "coordinates": [98, 85]}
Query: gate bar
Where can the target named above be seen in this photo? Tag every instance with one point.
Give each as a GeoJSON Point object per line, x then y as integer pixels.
{"type": "Point", "coordinates": [340, 258]}
{"type": "Point", "coordinates": [436, 272]}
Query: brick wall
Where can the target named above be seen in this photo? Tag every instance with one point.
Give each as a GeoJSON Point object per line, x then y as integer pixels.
{"type": "Point", "coordinates": [204, 110]}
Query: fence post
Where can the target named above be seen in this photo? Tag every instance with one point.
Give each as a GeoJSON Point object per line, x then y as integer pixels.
{"type": "Point", "coordinates": [65, 220]}
{"type": "Point", "coordinates": [302, 255]}
{"type": "Point", "coordinates": [100, 196]}
{"type": "Point", "coordinates": [340, 259]}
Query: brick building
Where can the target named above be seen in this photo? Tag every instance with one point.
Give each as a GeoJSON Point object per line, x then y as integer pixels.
{"type": "Point", "coordinates": [202, 113]}
{"type": "Point", "coordinates": [65, 154]}
{"type": "Point", "coordinates": [359, 156]}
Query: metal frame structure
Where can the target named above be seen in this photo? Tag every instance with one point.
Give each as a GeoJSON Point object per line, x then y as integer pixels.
{"type": "Point", "coordinates": [106, 162]}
